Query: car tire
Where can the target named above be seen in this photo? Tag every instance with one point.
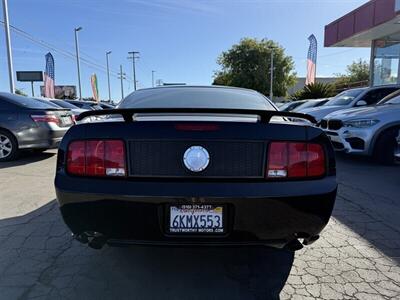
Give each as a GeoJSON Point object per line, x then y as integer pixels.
{"type": "Point", "coordinates": [385, 146]}
{"type": "Point", "coordinates": [8, 141]}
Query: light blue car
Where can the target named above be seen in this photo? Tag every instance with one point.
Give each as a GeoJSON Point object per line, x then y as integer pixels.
{"type": "Point", "coordinates": [371, 130]}
{"type": "Point", "coordinates": [352, 98]}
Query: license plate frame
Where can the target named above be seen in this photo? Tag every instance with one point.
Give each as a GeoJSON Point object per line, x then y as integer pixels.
{"type": "Point", "coordinates": [196, 209]}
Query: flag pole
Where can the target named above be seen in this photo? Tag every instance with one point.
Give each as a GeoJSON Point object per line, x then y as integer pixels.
{"type": "Point", "coordinates": [8, 44]}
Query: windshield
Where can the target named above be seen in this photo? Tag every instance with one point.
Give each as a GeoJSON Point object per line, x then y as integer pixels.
{"type": "Point", "coordinates": [345, 98]}
{"type": "Point", "coordinates": [96, 107]}
{"type": "Point", "coordinates": [310, 103]}
{"type": "Point", "coordinates": [394, 100]}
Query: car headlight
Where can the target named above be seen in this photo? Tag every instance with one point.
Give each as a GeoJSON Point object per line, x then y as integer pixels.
{"type": "Point", "coordinates": [360, 123]}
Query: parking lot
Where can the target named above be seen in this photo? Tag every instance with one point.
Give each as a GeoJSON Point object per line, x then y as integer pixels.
{"type": "Point", "coordinates": [357, 256]}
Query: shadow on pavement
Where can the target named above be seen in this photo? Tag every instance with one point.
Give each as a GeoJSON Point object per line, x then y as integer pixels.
{"type": "Point", "coordinates": [38, 258]}
{"type": "Point", "coordinates": [369, 202]}
{"type": "Point", "coordinates": [27, 157]}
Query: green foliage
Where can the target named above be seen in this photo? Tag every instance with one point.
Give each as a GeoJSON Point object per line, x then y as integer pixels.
{"type": "Point", "coordinates": [356, 72]}
{"type": "Point", "coordinates": [20, 92]}
{"type": "Point", "coordinates": [248, 65]}
{"type": "Point", "coordinates": [314, 91]}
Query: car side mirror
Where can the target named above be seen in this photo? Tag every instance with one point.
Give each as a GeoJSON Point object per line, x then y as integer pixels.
{"type": "Point", "coordinates": [361, 103]}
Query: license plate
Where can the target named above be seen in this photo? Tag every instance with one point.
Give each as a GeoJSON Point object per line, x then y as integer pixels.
{"type": "Point", "coordinates": [66, 120]}
{"type": "Point", "coordinates": [196, 219]}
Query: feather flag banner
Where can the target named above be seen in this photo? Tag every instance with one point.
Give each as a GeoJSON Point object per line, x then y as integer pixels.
{"type": "Point", "coordinates": [95, 88]}
{"type": "Point", "coordinates": [311, 60]}
{"type": "Point", "coordinates": [49, 76]}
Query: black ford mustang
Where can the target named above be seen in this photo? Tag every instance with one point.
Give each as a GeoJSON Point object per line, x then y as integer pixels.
{"type": "Point", "coordinates": [196, 166]}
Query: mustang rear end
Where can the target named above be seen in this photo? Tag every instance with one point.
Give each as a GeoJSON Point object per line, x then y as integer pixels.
{"type": "Point", "coordinates": [180, 182]}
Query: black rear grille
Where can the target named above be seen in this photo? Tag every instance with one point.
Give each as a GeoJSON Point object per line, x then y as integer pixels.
{"type": "Point", "coordinates": [228, 159]}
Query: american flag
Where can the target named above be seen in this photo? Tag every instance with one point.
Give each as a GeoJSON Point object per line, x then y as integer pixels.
{"type": "Point", "coordinates": [49, 76]}
{"type": "Point", "coordinates": [311, 60]}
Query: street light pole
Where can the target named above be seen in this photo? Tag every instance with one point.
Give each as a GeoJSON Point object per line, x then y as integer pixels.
{"type": "Point", "coordinates": [133, 57]}
{"type": "Point", "coordinates": [108, 76]}
{"type": "Point", "coordinates": [9, 52]}
{"type": "Point", "coordinates": [122, 77]}
{"type": "Point", "coordinates": [271, 91]}
{"type": "Point", "coordinates": [78, 63]}
{"type": "Point", "coordinates": [152, 78]}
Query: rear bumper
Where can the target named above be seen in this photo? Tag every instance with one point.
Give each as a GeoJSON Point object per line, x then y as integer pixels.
{"type": "Point", "coordinates": [40, 137]}
{"type": "Point", "coordinates": [273, 213]}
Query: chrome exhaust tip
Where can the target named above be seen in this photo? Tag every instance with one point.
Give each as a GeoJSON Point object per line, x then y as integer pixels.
{"type": "Point", "coordinates": [95, 240]}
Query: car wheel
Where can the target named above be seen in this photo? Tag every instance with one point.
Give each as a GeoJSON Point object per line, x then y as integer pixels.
{"type": "Point", "coordinates": [386, 147]}
{"type": "Point", "coordinates": [8, 146]}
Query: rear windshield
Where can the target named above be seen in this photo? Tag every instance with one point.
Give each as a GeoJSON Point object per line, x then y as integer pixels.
{"type": "Point", "coordinates": [196, 97]}
{"type": "Point", "coordinates": [27, 102]}
{"type": "Point", "coordinates": [345, 98]}
{"type": "Point", "coordinates": [64, 104]}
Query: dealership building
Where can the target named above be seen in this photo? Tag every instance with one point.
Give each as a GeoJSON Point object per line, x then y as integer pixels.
{"type": "Point", "coordinates": [376, 24]}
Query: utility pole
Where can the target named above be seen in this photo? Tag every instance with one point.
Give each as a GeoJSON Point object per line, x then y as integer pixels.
{"type": "Point", "coordinates": [133, 57]}
{"type": "Point", "coordinates": [152, 78]}
{"type": "Point", "coordinates": [271, 91]}
{"type": "Point", "coordinates": [8, 42]}
{"type": "Point", "coordinates": [108, 75]}
{"type": "Point", "coordinates": [121, 75]}
{"type": "Point", "coordinates": [78, 63]}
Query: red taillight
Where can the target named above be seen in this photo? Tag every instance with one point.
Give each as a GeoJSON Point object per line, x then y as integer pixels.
{"type": "Point", "coordinates": [114, 161]}
{"type": "Point", "coordinates": [315, 160]}
{"type": "Point", "coordinates": [96, 158]}
{"type": "Point", "coordinates": [295, 160]}
{"type": "Point", "coordinates": [76, 158]}
{"type": "Point", "coordinates": [46, 119]}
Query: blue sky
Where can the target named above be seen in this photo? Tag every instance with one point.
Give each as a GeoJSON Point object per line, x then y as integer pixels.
{"type": "Point", "coordinates": [179, 39]}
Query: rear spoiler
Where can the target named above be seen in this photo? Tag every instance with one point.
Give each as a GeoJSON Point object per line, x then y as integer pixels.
{"type": "Point", "coordinates": [127, 113]}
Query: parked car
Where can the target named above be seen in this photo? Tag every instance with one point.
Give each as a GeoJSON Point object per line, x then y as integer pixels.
{"type": "Point", "coordinates": [76, 111]}
{"type": "Point", "coordinates": [310, 104]}
{"type": "Point", "coordinates": [352, 98]}
{"type": "Point", "coordinates": [290, 106]}
{"type": "Point", "coordinates": [371, 130]}
{"type": "Point", "coordinates": [88, 105]}
{"type": "Point", "coordinates": [64, 104]}
{"type": "Point", "coordinates": [196, 166]}
{"type": "Point", "coordinates": [27, 123]}
{"type": "Point", "coordinates": [104, 105]}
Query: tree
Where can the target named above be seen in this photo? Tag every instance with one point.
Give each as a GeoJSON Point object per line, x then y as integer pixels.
{"type": "Point", "coordinates": [356, 72]}
{"type": "Point", "coordinates": [314, 91]}
{"type": "Point", "coordinates": [248, 65]}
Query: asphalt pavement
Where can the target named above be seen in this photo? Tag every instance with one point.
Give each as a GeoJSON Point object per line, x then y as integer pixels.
{"type": "Point", "coordinates": [357, 256]}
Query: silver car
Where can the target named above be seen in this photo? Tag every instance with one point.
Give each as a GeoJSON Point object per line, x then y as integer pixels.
{"type": "Point", "coordinates": [372, 130]}
{"type": "Point", "coordinates": [352, 98]}
{"type": "Point", "coordinates": [27, 123]}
